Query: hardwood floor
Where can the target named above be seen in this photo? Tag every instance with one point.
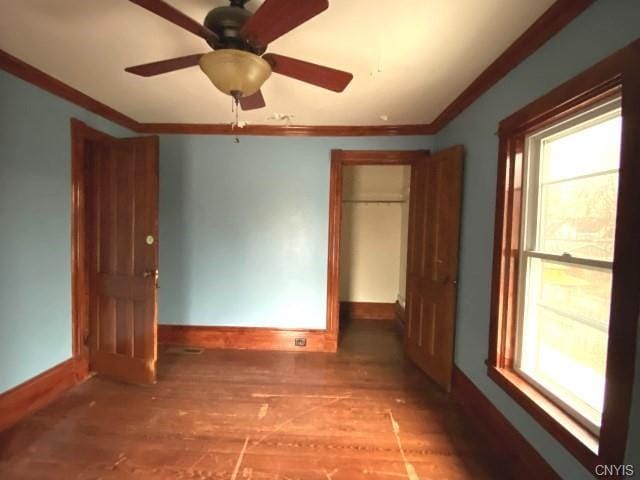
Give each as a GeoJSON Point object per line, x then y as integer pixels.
{"type": "Point", "coordinates": [363, 413]}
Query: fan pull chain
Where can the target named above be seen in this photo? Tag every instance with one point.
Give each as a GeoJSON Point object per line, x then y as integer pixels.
{"type": "Point", "coordinates": [235, 125]}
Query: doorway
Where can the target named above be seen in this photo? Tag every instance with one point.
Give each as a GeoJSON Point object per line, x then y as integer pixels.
{"type": "Point", "coordinates": [431, 270]}
{"type": "Point", "coordinates": [373, 241]}
{"type": "Point", "coordinates": [114, 254]}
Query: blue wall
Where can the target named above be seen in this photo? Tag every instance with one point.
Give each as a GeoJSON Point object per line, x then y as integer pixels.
{"type": "Point", "coordinates": [244, 227]}
{"type": "Point", "coordinates": [605, 27]}
{"type": "Point", "coordinates": [35, 225]}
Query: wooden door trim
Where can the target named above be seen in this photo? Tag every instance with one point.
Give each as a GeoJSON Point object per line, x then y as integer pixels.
{"type": "Point", "coordinates": [340, 159]}
{"type": "Point", "coordinates": [80, 134]}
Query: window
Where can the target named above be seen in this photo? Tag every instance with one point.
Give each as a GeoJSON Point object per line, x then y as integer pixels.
{"type": "Point", "coordinates": [565, 303]}
{"type": "Point", "coordinates": [566, 257]}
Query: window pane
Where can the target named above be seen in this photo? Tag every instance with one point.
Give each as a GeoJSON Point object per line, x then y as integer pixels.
{"type": "Point", "coordinates": [578, 189]}
{"type": "Point", "coordinates": [577, 216]}
{"type": "Point", "coordinates": [591, 149]}
{"type": "Point", "coordinates": [565, 332]}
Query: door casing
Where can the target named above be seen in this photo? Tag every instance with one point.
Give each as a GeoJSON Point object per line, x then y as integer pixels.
{"type": "Point", "coordinates": [340, 159]}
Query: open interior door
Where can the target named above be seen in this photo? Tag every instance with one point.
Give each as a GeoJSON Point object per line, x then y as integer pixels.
{"type": "Point", "coordinates": [122, 256]}
{"type": "Point", "coordinates": [432, 262]}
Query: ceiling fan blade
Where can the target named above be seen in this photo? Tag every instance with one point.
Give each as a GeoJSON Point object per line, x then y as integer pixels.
{"type": "Point", "coordinates": [274, 18]}
{"type": "Point", "coordinates": [164, 66]}
{"type": "Point", "coordinates": [175, 16]}
{"type": "Point", "coordinates": [324, 77]}
{"type": "Point", "coordinates": [253, 102]}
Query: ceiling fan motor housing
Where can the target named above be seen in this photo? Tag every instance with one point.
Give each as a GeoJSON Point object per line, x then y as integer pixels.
{"type": "Point", "coordinates": [227, 22]}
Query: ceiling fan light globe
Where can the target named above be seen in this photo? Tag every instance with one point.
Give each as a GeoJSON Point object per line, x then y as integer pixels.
{"type": "Point", "coordinates": [233, 70]}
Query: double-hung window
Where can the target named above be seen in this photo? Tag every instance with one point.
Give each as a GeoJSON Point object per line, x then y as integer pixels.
{"type": "Point", "coordinates": [566, 272]}
{"type": "Point", "coordinates": [570, 194]}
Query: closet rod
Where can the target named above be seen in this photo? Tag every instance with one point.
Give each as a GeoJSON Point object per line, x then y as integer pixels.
{"type": "Point", "coordinates": [373, 201]}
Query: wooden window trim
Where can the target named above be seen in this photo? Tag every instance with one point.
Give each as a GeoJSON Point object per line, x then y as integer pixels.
{"type": "Point", "coordinates": [615, 75]}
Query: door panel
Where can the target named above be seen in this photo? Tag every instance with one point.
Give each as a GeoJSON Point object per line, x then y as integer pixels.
{"type": "Point", "coordinates": [122, 212]}
{"type": "Point", "coordinates": [432, 262]}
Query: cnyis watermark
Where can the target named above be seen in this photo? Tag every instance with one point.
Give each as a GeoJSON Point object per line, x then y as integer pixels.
{"type": "Point", "coordinates": [626, 470]}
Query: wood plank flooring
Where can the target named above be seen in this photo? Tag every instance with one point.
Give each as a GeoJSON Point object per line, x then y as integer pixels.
{"type": "Point", "coordinates": [363, 413]}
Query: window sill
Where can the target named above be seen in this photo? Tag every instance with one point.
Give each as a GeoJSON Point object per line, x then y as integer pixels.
{"type": "Point", "coordinates": [574, 437]}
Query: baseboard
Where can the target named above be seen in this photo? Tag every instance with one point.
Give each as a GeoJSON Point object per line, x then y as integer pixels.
{"type": "Point", "coordinates": [367, 311]}
{"type": "Point", "coordinates": [36, 393]}
{"type": "Point", "coordinates": [400, 316]}
{"type": "Point", "coordinates": [510, 448]}
{"type": "Point", "coordinates": [240, 338]}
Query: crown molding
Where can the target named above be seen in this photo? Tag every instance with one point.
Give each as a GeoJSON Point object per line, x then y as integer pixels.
{"type": "Point", "coordinates": [287, 130]}
{"type": "Point", "coordinates": [554, 19]}
{"type": "Point", "coordinates": [32, 75]}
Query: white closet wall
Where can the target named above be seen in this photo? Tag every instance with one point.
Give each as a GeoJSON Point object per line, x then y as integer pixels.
{"type": "Point", "coordinates": [371, 243]}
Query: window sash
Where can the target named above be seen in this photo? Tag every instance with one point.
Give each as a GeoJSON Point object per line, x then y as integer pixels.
{"type": "Point", "coordinates": [533, 147]}
{"type": "Point", "coordinates": [530, 226]}
{"type": "Point", "coordinates": [566, 258]}
{"type": "Point", "coordinates": [519, 340]}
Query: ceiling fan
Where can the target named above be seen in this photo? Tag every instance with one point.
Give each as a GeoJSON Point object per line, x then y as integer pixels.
{"type": "Point", "coordinates": [237, 65]}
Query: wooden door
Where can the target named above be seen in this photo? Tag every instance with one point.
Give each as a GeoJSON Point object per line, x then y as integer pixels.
{"type": "Point", "coordinates": [432, 262]}
{"type": "Point", "coordinates": [122, 252]}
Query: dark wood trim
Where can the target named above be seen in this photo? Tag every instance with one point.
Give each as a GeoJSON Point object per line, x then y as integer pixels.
{"type": "Point", "coordinates": [496, 337]}
{"type": "Point", "coordinates": [241, 338]}
{"type": "Point", "coordinates": [545, 111]}
{"type": "Point", "coordinates": [513, 452]}
{"type": "Point", "coordinates": [625, 300]}
{"type": "Point", "coordinates": [287, 130]}
{"type": "Point", "coordinates": [580, 442]}
{"type": "Point", "coordinates": [400, 315]}
{"type": "Point", "coordinates": [616, 73]}
{"type": "Point", "coordinates": [554, 19]}
{"type": "Point", "coordinates": [36, 393]}
{"type": "Point", "coordinates": [52, 85]}
{"type": "Point", "coordinates": [340, 158]}
{"type": "Point", "coordinates": [81, 134]}
{"type": "Point", "coordinates": [380, 157]}
{"type": "Point", "coordinates": [333, 254]}
{"type": "Point", "coordinates": [367, 311]}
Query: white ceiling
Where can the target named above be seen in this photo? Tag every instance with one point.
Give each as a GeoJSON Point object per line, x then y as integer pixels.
{"type": "Point", "coordinates": [410, 58]}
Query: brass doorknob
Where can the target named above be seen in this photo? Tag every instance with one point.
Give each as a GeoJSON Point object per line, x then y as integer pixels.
{"type": "Point", "coordinates": [152, 273]}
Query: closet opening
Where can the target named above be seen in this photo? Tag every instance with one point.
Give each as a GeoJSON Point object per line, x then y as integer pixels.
{"type": "Point", "coordinates": [373, 246]}
{"type": "Point", "coordinates": [394, 223]}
